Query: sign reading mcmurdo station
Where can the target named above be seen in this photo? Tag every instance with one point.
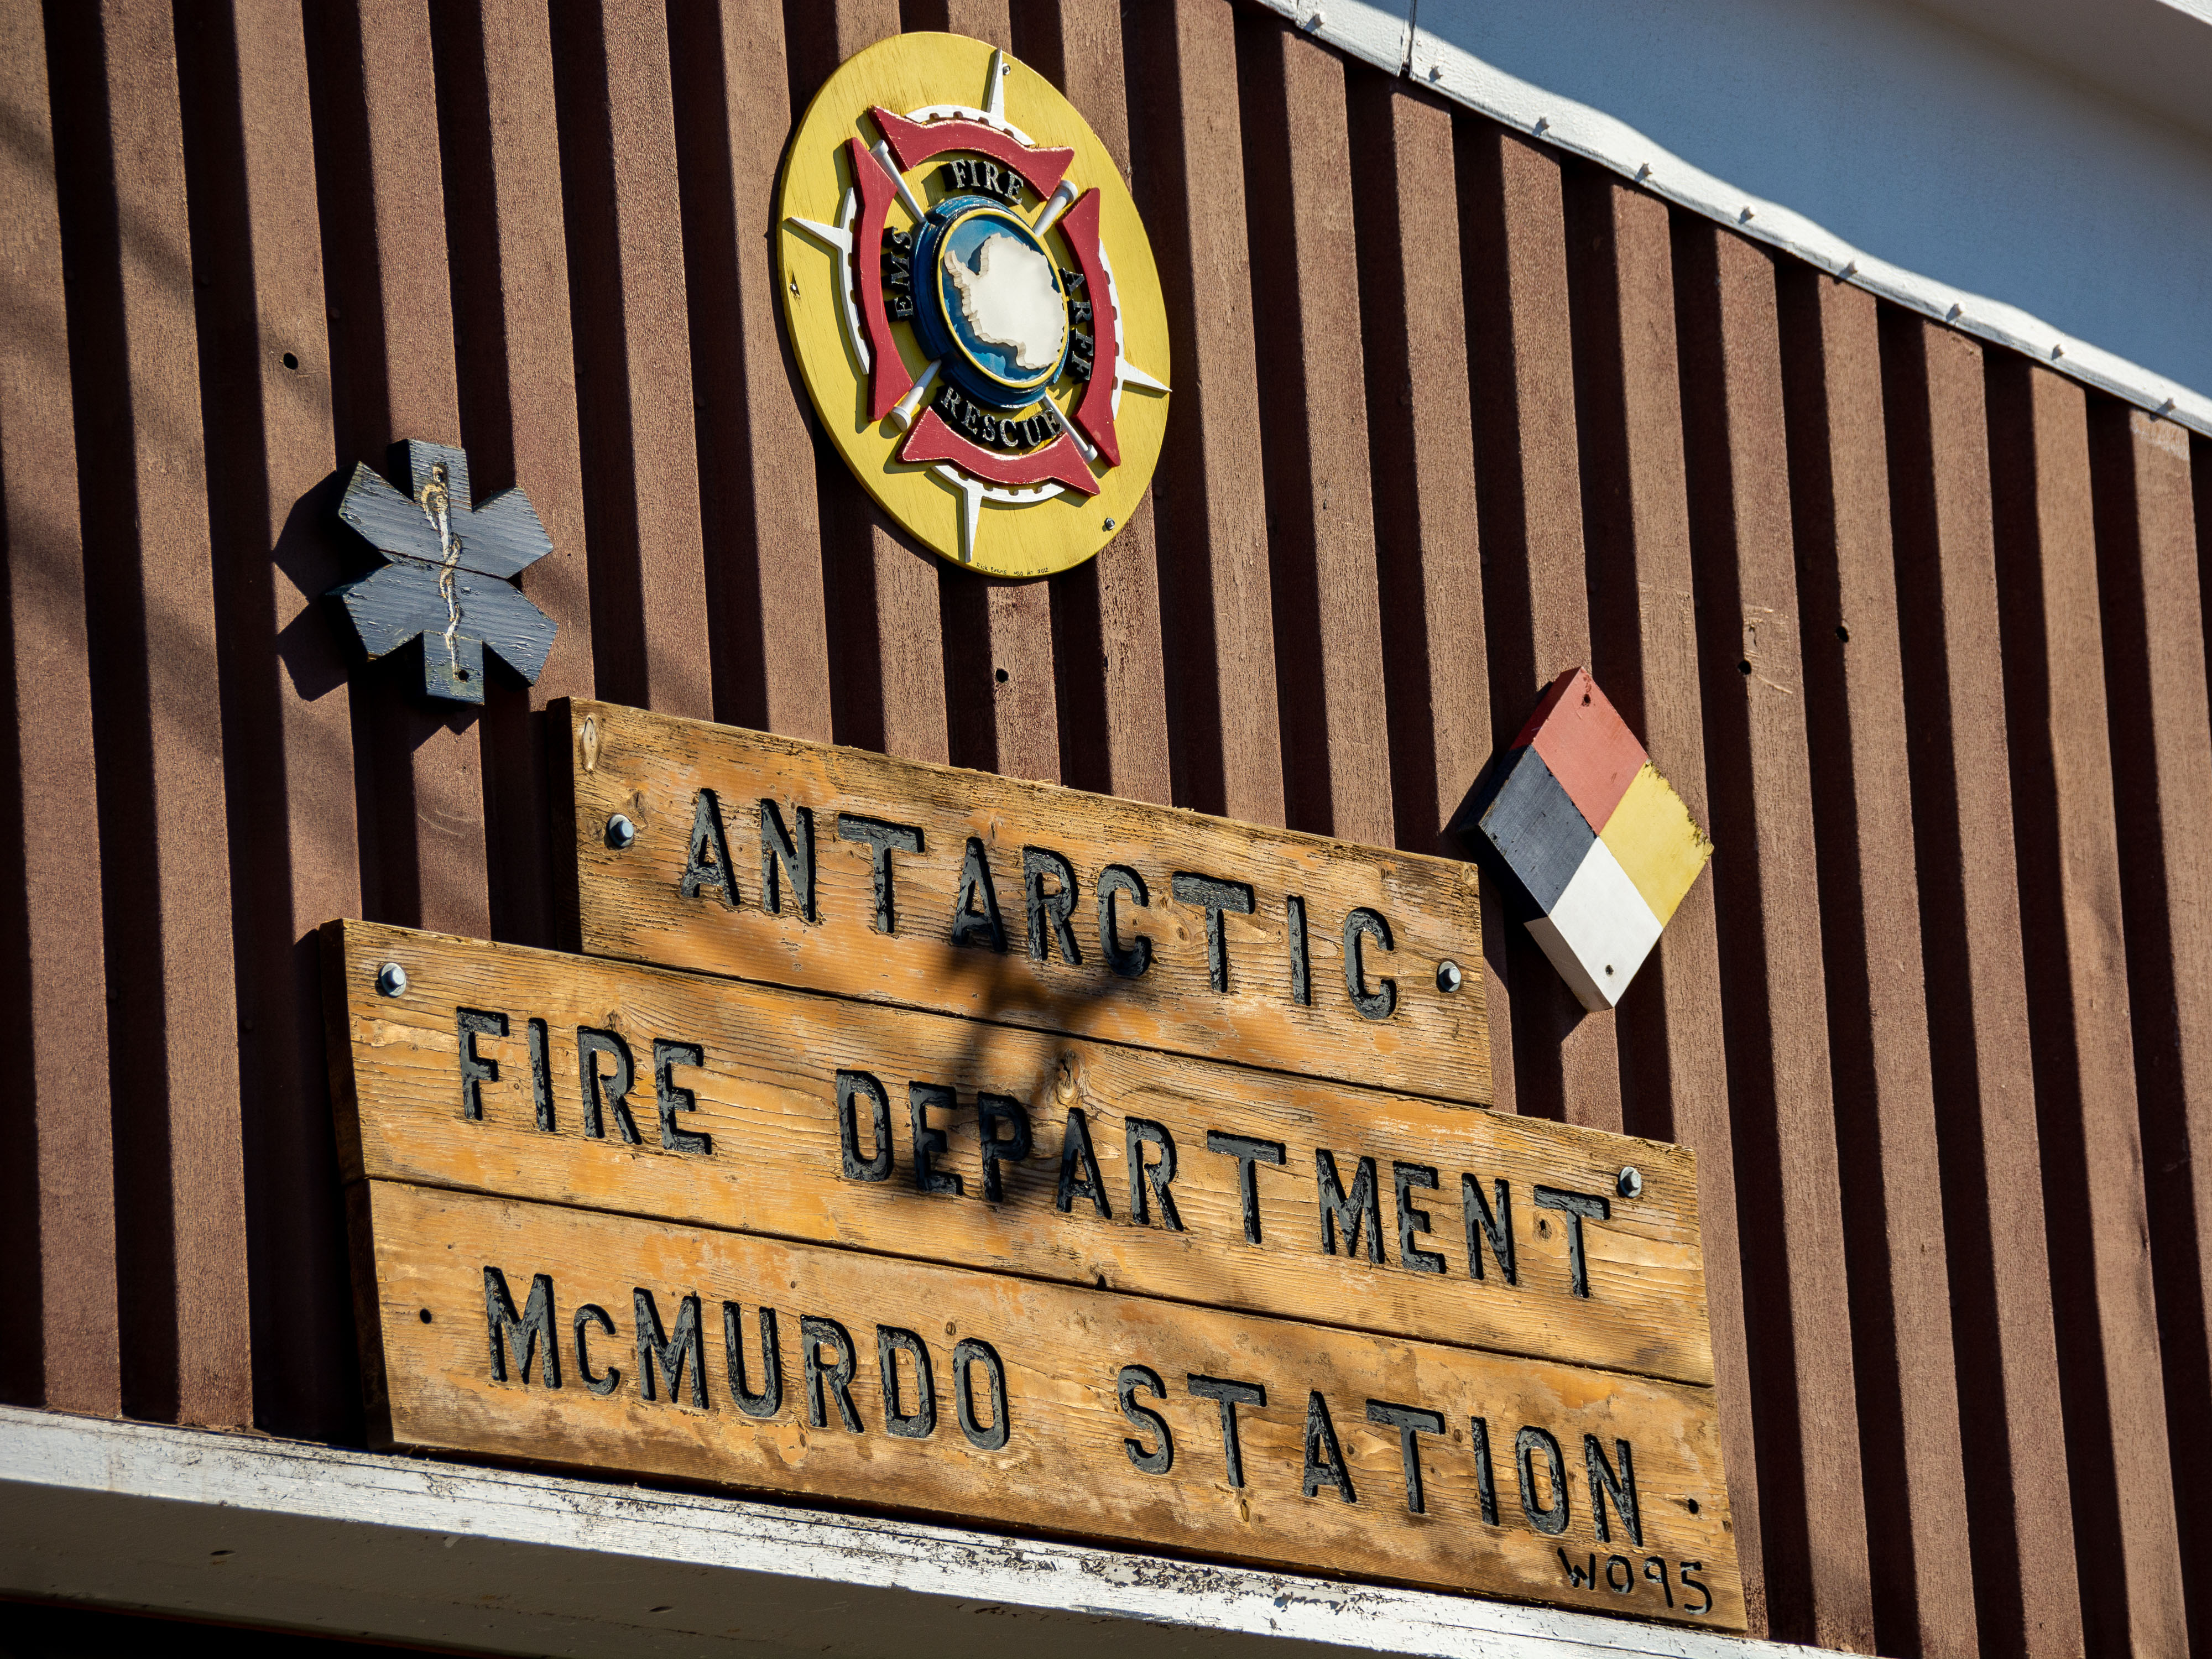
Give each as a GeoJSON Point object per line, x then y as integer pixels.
{"type": "Point", "coordinates": [990, 1151]}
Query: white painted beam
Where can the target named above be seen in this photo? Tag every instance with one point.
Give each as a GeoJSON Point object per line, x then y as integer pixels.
{"type": "Point", "coordinates": [277, 1534]}
{"type": "Point", "coordinates": [1959, 176]}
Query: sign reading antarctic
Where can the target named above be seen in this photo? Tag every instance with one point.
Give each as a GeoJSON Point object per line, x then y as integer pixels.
{"type": "Point", "coordinates": [973, 303]}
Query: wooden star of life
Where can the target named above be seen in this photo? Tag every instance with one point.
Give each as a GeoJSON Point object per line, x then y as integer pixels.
{"type": "Point", "coordinates": [450, 578]}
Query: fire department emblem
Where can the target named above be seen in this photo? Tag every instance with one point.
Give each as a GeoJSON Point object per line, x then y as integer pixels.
{"type": "Point", "coordinates": [973, 303]}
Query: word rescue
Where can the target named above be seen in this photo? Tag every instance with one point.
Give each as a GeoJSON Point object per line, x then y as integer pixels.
{"type": "Point", "coordinates": [737, 852]}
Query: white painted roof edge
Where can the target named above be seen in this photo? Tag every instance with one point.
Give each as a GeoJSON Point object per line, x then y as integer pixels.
{"type": "Point", "coordinates": [1396, 43]}
{"type": "Point", "coordinates": [156, 1490]}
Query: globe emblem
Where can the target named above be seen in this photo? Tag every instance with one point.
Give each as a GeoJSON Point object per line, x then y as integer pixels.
{"type": "Point", "coordinates": [998, 302]}
{"type": "Point", "coordinates": [973, 290]}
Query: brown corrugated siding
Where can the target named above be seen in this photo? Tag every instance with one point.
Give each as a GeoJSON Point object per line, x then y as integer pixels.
{"type": "Point", "coordinates": [1915, 626]}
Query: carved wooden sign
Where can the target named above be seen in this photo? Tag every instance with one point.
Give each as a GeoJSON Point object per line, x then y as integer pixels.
{"type": "Point", "coordinates": [838, 870]}
{"type": "Point", "coordinates": [898, 1168]}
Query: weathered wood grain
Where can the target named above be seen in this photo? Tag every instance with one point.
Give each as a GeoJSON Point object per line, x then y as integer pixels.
{"type": "Point", "coordinates": [1784, 1105]}
{"type": "Point", "coordinates": [765, 1093]}
{"type": "Point", "coordinates": [630, 902]}
{"type": "Point", "coordinates": [150, 616]}
{"type": "Point", "coordinates": [62, 1349]}
{"type": "Point", "coordinates": [1643, 648]}
{"type": "Point", "coordinates": [1064, 1456]}
{"type": "Point", "coordinates": [287, 725]}
{"type": "Point", "coordinates": [1896, 1252]}
{"type": "Point", "coordinates": [2028, 1591]}
{"type": "Point", "coordinates": [1512, 216]}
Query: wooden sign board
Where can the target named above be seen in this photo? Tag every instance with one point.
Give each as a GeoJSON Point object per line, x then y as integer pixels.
{"type": "Point", "coordinates": [848, 1123]}
{"type": "Point", "coordinates": [495, 1228]}
{"type": "Point", "coordinates": [837, 869]}
{"type": "Point", "coordinates": [996, 1152]}
{"type": "Point", "coordinates": [552, 1334]}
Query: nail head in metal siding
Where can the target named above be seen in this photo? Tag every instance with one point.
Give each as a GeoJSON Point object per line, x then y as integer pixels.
{"type": "Point", "coordinates": [621, 833]}
{"type": "Point", "coordinates": [1631, 1184]}
{"type": "Point", "coordinates": [392, 979]}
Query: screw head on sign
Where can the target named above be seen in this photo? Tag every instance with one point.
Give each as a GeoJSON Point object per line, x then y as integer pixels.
{"type": "Point", "coordinates": [1448, 975]}
{"type": "Point", "coordinates": [392, 979]}
{"type": "Point", "coordinates": [1631, 1184]}
{"type": "Point", "coordinates": [621, 832]}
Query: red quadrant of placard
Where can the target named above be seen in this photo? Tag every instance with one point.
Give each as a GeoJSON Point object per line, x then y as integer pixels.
{"type": "Point", "coordinates": [1588, 746]}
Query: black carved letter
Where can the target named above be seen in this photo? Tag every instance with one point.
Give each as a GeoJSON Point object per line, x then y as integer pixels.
{"type": "Point", "coordinates": [1410, 1421]}
{"type": "Point", "coordinates": [1354, 1213]}
{"type": "Point", "coordinates": [1578, 1207]}
{"type": "Point", "coordinates": [1552, 1519]}
{"type": "Point", "coordinates": [921, 1423]}
{"type": "Point", "coordinates": [795, 855]}
{"type": "Point", "coordinates": [814, 1335]}
{"type": "Point", "coordinates": [666, 1056]}
{"type": "Point", "coordinates": [1229, 1396]}
{"type": "Point", "coordinates": [1247, 1151]}
{"type": "Point", "coordinates": [877, 1165]}
{"type": "Point", "coordinates": [928, 1142]}
{"type": "Point", "coordinates": [533, 1330]}
{"type": "Point", "coordinates": [1049, 911]}
{"type": "Point", "coordinates": [976, 910]}
{"type": "Point", "coordinates": [1129, 961]}
{"type": "Point", "coordinates": [1381, 1002]}
{"type": "Point", "coordinates": [768, 1400]}
{"type": "Point", "coordinates": [669, 1354]}
{"type": "Point", "coordinates": [708, 868]}
{"type": "Point", "coordinates": [883, 840]}
{"type": "Point", "coordinates": [1157, 1460]}
{"type": "Point", "coordinates": [1138, 1133]}
{"type": "Point", "coordinates": [1621, 1488]}
{"type": "Point", "coordinates": [1217, 896]}
{"type": "Point", "coordinates": [992, 1110]}
{"type": "Point", "coordinates": [1324, 1458]}
{"type": "Point", "coordinates": [590, 1045]}
{"type": "Point", "coordinates": [968, 1354]}
{"type": "Point", "coordinates": [469, 1023]}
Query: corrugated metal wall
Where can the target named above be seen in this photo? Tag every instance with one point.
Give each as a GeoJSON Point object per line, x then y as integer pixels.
{"type": "Point", "coordinates": [1915, 626]}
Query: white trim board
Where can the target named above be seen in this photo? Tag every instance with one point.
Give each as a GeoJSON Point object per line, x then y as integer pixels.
{"type": "Point", "coordinates": [246, 1529]}
{"type": "Point", "coordinates": [2106, 218]}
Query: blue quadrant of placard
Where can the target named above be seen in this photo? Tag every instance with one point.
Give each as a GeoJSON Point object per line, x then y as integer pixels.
{"type": "Point", "coordinates": [1537, 834]}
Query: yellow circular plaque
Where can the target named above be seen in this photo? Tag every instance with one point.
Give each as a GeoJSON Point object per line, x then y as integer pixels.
{"type": "Point", "coordinates": [973, 304]}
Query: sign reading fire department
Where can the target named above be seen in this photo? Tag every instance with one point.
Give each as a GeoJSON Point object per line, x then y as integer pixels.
{"type": "Point", "coordinates": [979, 1150]}
{"type": "Point", "coordinates": [973, 303]}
